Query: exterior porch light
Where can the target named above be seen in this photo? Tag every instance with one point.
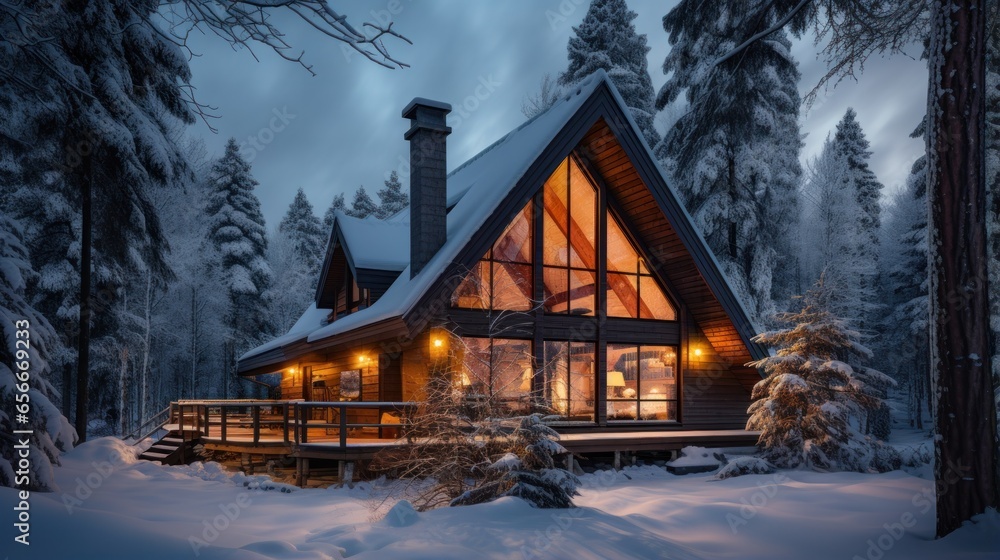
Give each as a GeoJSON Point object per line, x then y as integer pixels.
{"type": "Point", "coordinates": [697, 351]}
{"type": "Point", "coordinates": [438, 344]}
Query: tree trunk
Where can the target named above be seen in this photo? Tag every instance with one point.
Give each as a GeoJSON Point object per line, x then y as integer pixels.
{"type": "Point", "coordinates": [83, 343]}
{"type": "Point", "coordinates": [144, 373]}
{"type": "Point", "coordinates": [965, 423]}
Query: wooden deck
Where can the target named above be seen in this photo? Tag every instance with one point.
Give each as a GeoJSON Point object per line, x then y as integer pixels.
{"type": "Point", "coordinates": [356, 431]}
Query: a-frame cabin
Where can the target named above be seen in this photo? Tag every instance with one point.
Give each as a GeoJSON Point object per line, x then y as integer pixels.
{"type": "Point", "coordinates": [556, 271]}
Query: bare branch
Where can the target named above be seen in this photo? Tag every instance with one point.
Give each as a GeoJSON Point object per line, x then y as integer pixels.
{"type": "Point", "coordinates": [778, 25]}
{"type": "Point", "coordinates": [243, 22]}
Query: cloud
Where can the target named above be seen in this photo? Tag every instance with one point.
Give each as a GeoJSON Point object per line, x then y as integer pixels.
{"type": "Point", "coordinates": [348, 130]}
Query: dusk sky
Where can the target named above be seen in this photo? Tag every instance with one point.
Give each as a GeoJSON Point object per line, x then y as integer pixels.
{"type": "Point", "coordinates": [342, 128]}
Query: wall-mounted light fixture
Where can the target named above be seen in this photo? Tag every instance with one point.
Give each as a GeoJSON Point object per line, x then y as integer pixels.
{"type": "Point", "coordinates": [439, 342]}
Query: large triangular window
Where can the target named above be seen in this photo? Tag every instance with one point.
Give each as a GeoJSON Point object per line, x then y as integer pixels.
{"type": "Point", "coordinates": [503, 278]}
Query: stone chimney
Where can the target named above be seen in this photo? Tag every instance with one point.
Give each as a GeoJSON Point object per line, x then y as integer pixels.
{"type": "Point", "coordinates": [428, 179]}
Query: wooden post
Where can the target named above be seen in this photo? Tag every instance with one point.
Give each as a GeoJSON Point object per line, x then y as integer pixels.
{"type": "Point", "coordinates": [222, 420]}
{"type": "Point", "coordinates": [284, 422]}
{"type": "Point", "coordinates": [304, 420]}
{"type": "Point", "coordinates": [206, 421]}
{"type": "Point", "coordinates": [256, 423]}
{"type": "Point", "coordinates": [343, 427]}
{"type": "Point", "coordinates": [618, 461]}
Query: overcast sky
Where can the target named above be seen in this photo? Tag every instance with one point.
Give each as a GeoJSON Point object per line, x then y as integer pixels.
{"type": "Point", "coordinates": [342, 128]}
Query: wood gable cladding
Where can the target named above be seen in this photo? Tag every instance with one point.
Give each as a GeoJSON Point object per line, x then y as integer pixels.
{"type": "Point", "coordinates": [602, 137]}
{"type": "Point", "coordinates": [332, 274]}
{"type": "Point", "coordinates": [669, 255]}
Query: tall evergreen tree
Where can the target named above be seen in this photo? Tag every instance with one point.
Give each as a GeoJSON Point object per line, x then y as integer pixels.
{"type": "Point", "coordinates": [27, 339]}
{"type": "Point", "coordinates": [362, 206]}
{"type": "Point", "coordinates": [305, 231]}
{"type": "Point", "coordinates": [852, 148]}
{"type": "Point", "coordinates": [338, 205]}
{"type": "Point", "coordinates": [814, 399]}
{"type": "Point", "coordinates": [392, 198]}
{"type": "Point", "coordinates": [239, 239]}
{"type": "Point", "coordinates": [904, 341]}
{"type": "Point", "coordinates": [606, 39]}
{"type": "Point", "coordinates": [830, 230]}
{"type": "Point", "coordinates": [734, 154]}
{"type": "Point", "coordinates": [112, 83]}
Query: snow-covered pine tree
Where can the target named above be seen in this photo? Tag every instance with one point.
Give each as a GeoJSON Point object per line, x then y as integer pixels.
{"type": "Point", "coordinates": [294, 285]}
{"type": "Point", "coordinates": [904, 342]}
{"type": "Point", "coordinates": [113, 85]}
{"type": "Point", "coordinates": [812, 406]}
{"type": "Point", "coordinates": [831, 234]}
{"type": "Point", "coordinates": [392, 199]}
{"type": "Point", "coordinates": [362, 206]}
{"type": "Point", "coordinates": [527, 470]}
{"type": "Point", "coordinates": [338, 205]}
{"type": "Point", "coordinates": [27, 338]}
{"type": "Point", "coordinates": [239, 239]}
{"type": "Point", "coordinates": [852, 147]}
{"type": "Point", "coordinates": [734, 154]}
{"type": "Point", "coordinates": [606, 39]}
{"type": "Point", "coordinates": [305, 231]}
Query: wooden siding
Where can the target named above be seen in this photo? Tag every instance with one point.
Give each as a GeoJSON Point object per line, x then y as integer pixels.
{"type": "Point", "coordinates": [414, 366]}
{"type": "Point", "coordinates": [714, 396]}
{"type": "Point", "coordinates": [668, 255]}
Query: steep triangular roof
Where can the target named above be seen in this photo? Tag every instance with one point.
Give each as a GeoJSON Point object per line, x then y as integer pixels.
{"type": "Point", "coordinates": [489, 188]}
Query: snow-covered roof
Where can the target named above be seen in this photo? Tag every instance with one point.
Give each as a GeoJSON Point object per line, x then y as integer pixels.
{"type": "Point", "coordinates": [374, 243]}
{"type": "Point", "coordinates": [475, 189]}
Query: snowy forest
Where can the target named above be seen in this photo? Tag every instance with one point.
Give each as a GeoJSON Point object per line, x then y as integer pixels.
{"type": "Point", "coordinates": [145, 265]}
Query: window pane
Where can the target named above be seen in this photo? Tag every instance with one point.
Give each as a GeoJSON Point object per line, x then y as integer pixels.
{"type": "Point", "coordinates": [511, 369]}
{"type": "Point", "coordinates": [475, 367]}
{"type": "Point", "coordinates": [515, 243]}
{"type": "Point", "coordinates": [657, 382]}
{"type": "Point", "coordinates": [555, 376]}
{"type": "Point", "coordinates": [583, 291]}
{"type": "Point", "coordinates": [568, 374]}
{"type": "Point", "coordinates": [655, 304]}
{"type": "Point", "coordinates": [622, 296]}
{"type": "Point", "coordinates": [581, 381]}
{"type": "Point", "coordinates": [556, 250]}
{"type": "Point", "coordinates": [473, 292]}
{"type": "Point", "coordinates": [512, 286]}
{"type": "Point", "coordinates": [622, 369]}
{"type": "Point", "coordinates": [583, 216]}
{"type": "Point", "coordinates": [622, 256]}
{"type": "Point", "coordinates": [556, 290]}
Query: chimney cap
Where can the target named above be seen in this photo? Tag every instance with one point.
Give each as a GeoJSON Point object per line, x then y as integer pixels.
{"type": "Point", "coordinates": [411, 107]}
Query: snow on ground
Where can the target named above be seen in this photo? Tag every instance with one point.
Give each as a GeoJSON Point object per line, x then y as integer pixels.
{"type": "Point", "coordinates": [128, 509]}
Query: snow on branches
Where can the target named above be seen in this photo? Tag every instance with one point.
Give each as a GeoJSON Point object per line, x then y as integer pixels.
{"type": "Point", "coordinates": [811, 407]}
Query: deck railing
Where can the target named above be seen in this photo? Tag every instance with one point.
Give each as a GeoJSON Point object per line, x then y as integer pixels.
{"type": "Point", "coordinates": [291, 422]}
